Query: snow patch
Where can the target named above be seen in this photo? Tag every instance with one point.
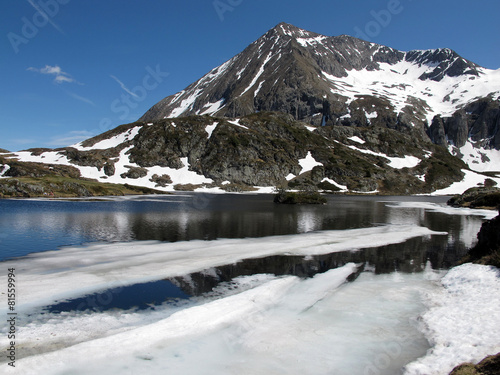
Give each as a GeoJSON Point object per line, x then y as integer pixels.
{"type": "Point", "coordinates": [111, 142]}
{"type": "Point", "coordinates": [5, 168]}
{"type": "Point", "coordinates": [211, 108]}
{"type": "Point", "coordinates": [210, 129]}
{"type": "Point", "coordinates": [478, 159]}
{"type": "Point", "coordinates": [308, 163]}
{"type": "Point", "coordinates": [343, 188]}
{"type": "Point", "coordinates": [259, 73]}
{"type": "Point", "coordinates": [357, 139]}
{"type": "Point", "coordinates": [237, 123]}
{"type": "Point", "coordinates": [185, 104]}
{"type": "Point", "coordinates": [407, 161]}
{"type": "Point", "coordinates": [471, 179]}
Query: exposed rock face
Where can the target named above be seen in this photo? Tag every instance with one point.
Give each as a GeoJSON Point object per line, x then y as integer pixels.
{"type": "Point", "coordinates": [487, 249]}
{"type": "Point", "coordinates": [481, 197]}
{"type": "Point", "coordinates": [488, 366]}
{"type": "Point", "coordinates": [437, 133]}
{"type": "Point", "coordinates": [479, 122]}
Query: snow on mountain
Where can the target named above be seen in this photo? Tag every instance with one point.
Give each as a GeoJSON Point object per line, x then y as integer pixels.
{"type": "Point", "coordinates": [345, 66]}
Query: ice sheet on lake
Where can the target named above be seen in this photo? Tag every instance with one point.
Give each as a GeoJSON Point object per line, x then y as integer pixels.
{"type": "Point", "coordinates": [284, 325]}
{"type": "Point", "coordinates": [55, 275]}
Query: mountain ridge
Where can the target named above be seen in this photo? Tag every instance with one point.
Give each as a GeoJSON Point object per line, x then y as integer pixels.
{"type": "Point", "coordinates": [330, 56]}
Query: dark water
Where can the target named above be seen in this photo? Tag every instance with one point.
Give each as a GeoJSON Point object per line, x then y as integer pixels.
{"type": "Point", "coordinates": [28, 226]}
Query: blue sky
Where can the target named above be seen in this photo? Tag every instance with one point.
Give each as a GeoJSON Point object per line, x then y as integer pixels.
{"type": "Point", "coordinates": [71, 69]}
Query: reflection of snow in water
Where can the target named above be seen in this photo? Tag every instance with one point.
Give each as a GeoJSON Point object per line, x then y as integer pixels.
{"type": "Point", "coordinates": [414, 213]}
{"type": "Point", "coordinates": [306, 222]}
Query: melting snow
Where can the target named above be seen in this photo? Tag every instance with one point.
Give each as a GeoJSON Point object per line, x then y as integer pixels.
{"type": "Point", "coordinates": [211, 108]}
{"type": "Point", "coordinates": [407, 161]}
{"type": "Point", "coordinates": [462, 323]}
{"type": "Point", "coordinates": [479, 159]}
{"type": "Point", "coordinates": [357, 139]}
{"type": "Point", "coordinates": [5, 168]}
{"type": "Point", "coordinates": [49, 276]}
{"type": "Point", "coordinates": [343, 188]}
{"type": "Point", "coordinates": [308, 163]}
{"type": "Point", "coordinates": [185, 104]}
{"type": "Point", "coordinates": [237, 123]}
{"type": "Point", "coordinates": [210, 128]}
{"type": "Point", "coordinates": [111, 142]}
{"type": "Point", "coordinates": [398, 83]}
{"type": "Point", "coordinates": [259, 73]}
{"type": "Point", "coordinates": [471, 179]}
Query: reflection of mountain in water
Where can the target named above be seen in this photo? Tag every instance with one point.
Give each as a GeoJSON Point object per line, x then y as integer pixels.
{"type": "Point", "coordinates": [409, 257]}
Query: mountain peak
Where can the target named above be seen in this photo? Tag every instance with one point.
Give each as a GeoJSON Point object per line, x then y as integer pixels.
{"type": "Point", "coordinates": [286, 29]}
{"type": "Point", "coordinates": [327, 80]}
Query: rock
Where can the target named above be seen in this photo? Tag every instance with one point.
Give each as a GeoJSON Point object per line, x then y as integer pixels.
{"type": "Point", "coordinates": [480, 197]}
{"type": "Point", "coordinates": [162, 180]}
{"type": "Point", "coordinates": [488, 366]}
{"type": "Point", "coordinates": [302, 197]}
{"type": "Point", "coordinates": [487, 249]}
{"type": "Point", "coordinates": [437, 133]}
{"type": "Point", "coordinates": [109, 168]}
{"type": "Point", "coordinates": [134, 172]}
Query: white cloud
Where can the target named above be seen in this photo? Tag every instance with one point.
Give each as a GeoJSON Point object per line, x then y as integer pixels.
{"type": "Point", "coordinates": [60, 75]}
{"type": "Point", "coordinates": [80, 98]}
{"type": "Point", "coordinates": [70, 138]}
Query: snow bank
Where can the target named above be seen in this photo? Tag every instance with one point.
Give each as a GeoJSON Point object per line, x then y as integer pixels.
{"type": "Point", "coordinates": [462, 321]}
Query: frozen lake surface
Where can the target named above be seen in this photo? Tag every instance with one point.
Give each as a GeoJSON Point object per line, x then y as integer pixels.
{"type": "Point", "coordinates": [232, 284]}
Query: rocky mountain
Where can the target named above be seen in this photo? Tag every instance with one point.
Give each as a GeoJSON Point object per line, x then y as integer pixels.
{"type": "Point", "coordinates": [342, 80]}
{"type": "Point", "coordinates": [262, 150]}
{"type": "Point", "coordinates": [307, 111]}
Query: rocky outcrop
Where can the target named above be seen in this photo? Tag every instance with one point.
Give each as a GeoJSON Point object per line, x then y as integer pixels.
{"type": "Point", "coordinates": [478, 122]}
{"type": "Point", "coordinates": [487, 249]}
{"type": "Point", "coordinates": [480, 197]}
{"type": "Point", "coordinates": [59, 187]}
{"type": "Point", "coordinates": [488, 366]}
{"type": "Point", "coordinates": [437, 132]}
